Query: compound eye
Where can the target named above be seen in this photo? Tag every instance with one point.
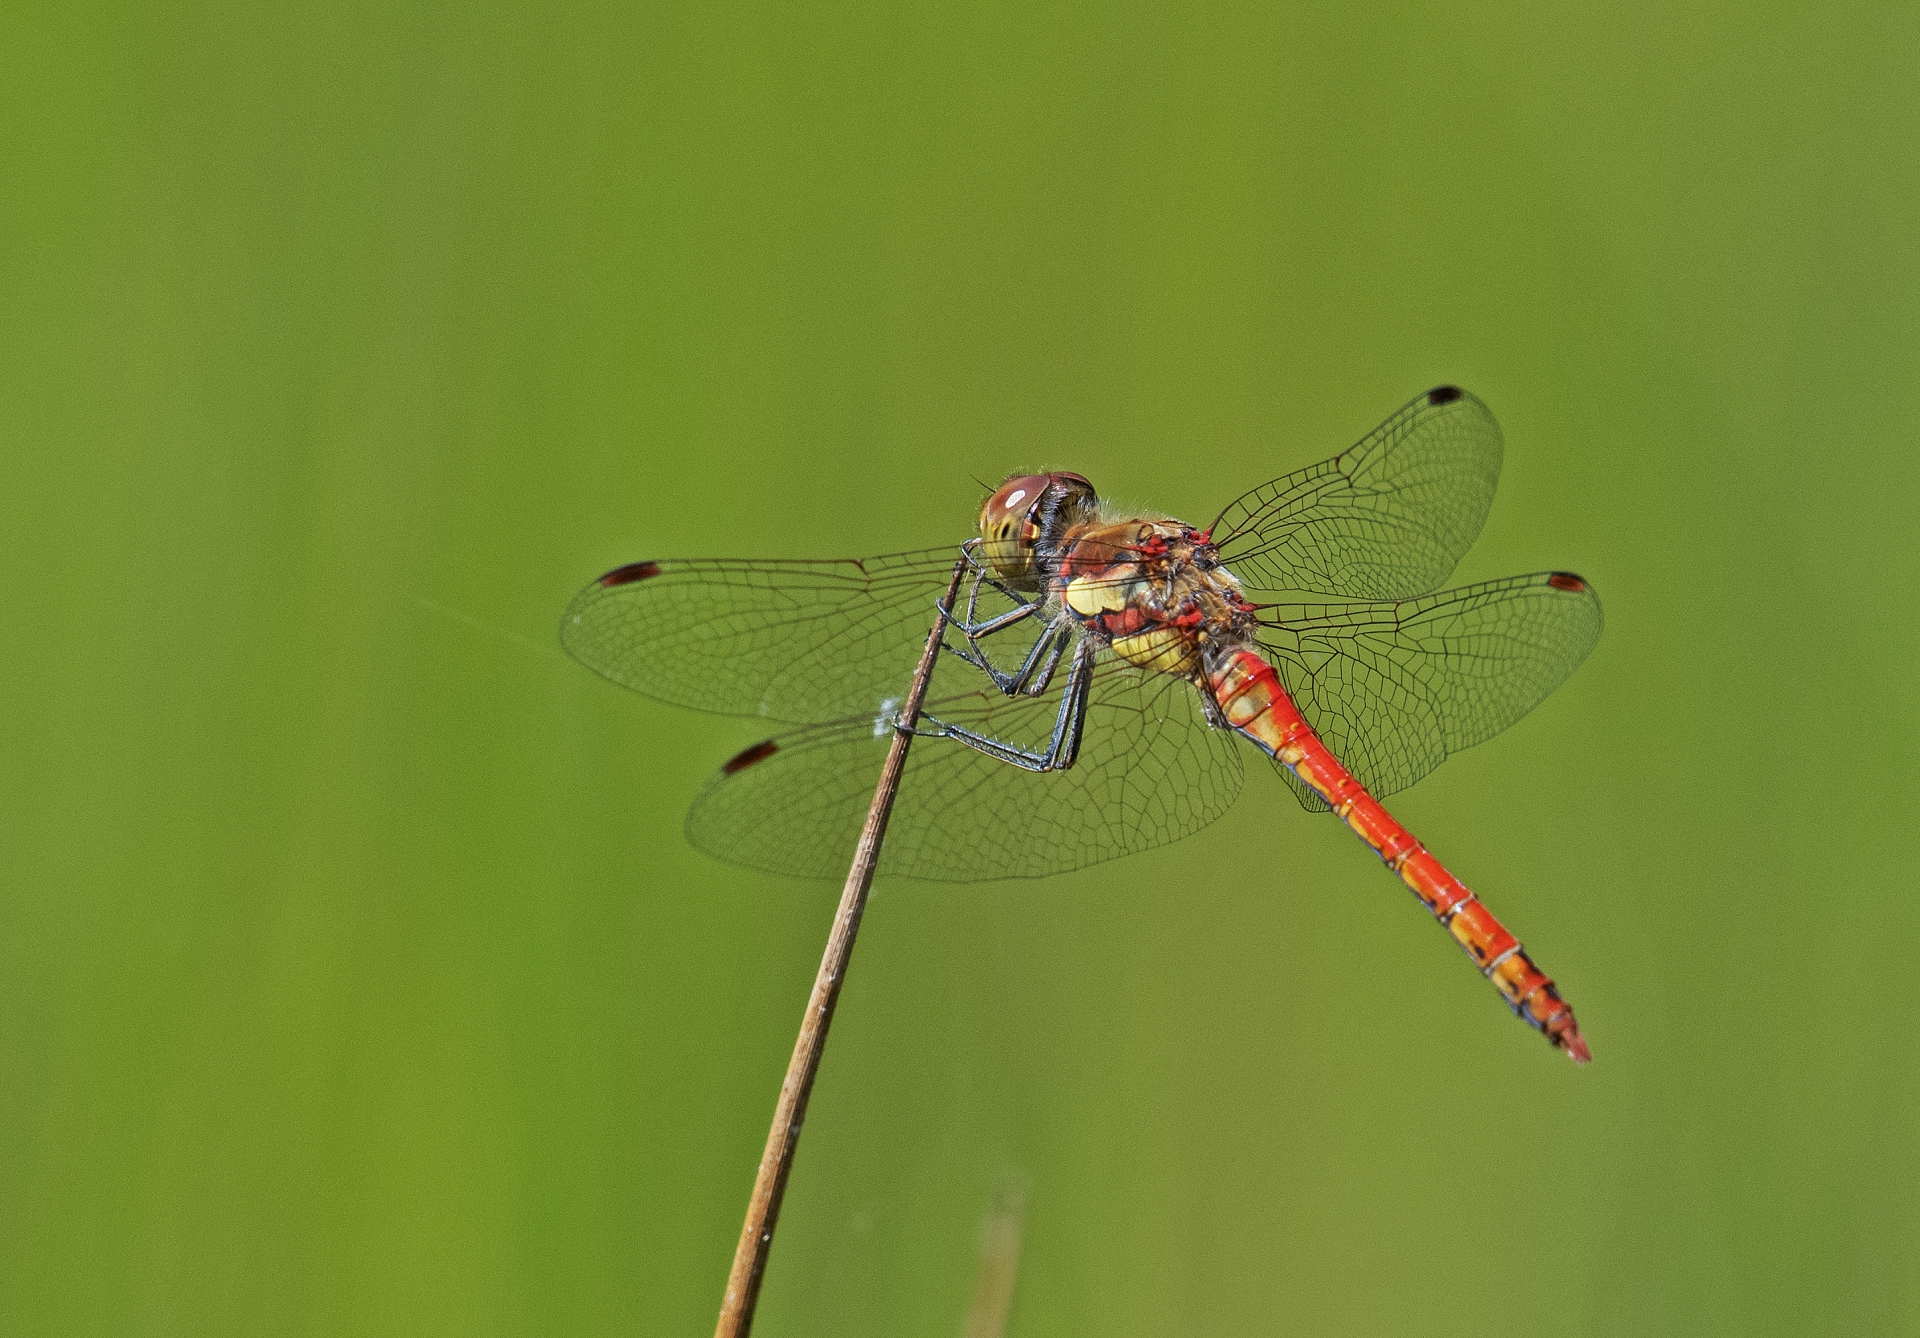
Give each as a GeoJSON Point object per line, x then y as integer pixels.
{"type": "Point", "coordinates": [1018, 495]}
{"type": "Point", "coordinates": [1012, 505]}
{"type": "Point", "coordinates": [1009, 524]}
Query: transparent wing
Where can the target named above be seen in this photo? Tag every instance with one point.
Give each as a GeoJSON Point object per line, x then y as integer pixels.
{"type": "Point", "coordinates": [1150, 771]}
{"type": "Point", "coordinates": [1388, 518]}
{"type": "Point", "coordinates": [794, 641]}
{"type": "Point", "coordinates": [1393, 688]}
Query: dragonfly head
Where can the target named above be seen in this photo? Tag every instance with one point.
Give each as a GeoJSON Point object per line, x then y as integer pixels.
{"type": "Point", "coordinates": [1028, 515]}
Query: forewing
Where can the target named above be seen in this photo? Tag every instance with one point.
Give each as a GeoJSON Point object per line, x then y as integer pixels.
{"type": "Point", "coordinates": [1150, 771]}
{"type": "Point", "coordinates": [793, 641]}
{"type": "Point", "coordinates": [1386, 519]}
{"type": "Point", "coordinates": [1393, 688]}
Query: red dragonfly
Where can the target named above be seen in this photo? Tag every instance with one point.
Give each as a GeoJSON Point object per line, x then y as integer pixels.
{"type": "Point", "coordinates": [1108, 660]}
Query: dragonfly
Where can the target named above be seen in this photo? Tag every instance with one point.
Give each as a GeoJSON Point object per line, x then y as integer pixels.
{"type": "Point", "coordinates": [1106, 668]}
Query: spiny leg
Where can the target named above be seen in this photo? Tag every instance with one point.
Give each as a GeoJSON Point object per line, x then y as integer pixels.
{"type": "Point", "coordinates": [1068, 725]}
{"type": "Point", "coordinates": [971, 625]}
{"type": "Point", "coordinates": [1036, 671]}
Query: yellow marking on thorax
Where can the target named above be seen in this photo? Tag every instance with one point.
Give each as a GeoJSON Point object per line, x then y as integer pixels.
{"type": "Point", "coordinates": [1162, 649]}
{"type": "Point", "coordinates": [1109, 592]}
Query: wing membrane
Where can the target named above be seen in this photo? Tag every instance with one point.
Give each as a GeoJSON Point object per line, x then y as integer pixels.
{"type": "Point", "coordinates": [1388, 518]}
{"type": "Point", "coordinates": [1150, 771]}
{"type": "Point", "coordinates": [794, 641]}
{"type": "Point", "coordinates": [1393, 688]}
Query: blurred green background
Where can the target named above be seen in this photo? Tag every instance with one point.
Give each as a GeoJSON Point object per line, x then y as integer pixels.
{"type": "Point", "coordinates": [354, 975]}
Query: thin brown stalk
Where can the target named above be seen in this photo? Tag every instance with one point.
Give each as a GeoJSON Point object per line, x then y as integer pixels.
{"type": "Point", "coordinates": [763, 1209]}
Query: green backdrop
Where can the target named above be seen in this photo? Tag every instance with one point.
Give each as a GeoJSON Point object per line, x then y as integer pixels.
{"type": "Point", "coordinates": [354, 975]}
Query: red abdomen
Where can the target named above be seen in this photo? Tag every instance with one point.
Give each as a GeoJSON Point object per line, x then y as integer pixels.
{"type": "Point", "coordinates": [1257, 705]}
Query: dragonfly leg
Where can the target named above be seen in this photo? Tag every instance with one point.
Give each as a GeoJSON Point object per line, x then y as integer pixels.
{"type": "Point", "coordinates": [970, 550]}
{"type": "Point", "coordinates": [970, 629]}
{"type": "Point", "coordinates": [981, 576]}
{"type": "Point", "coordinates": [1062, 749]}
{"type": "Point", "coordinates": [1033, 676]}
{"type": "Point", "coordinates": [973, 625]}
{"type": "Point", "coordinates": [1035, 672]}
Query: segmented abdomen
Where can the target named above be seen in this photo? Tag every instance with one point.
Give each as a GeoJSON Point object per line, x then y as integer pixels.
{"type": "Point", "coordinates": [1254, 702]}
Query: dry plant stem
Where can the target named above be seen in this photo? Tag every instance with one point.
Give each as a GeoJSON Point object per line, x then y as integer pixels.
{"type": "Point", "coordinates": [763, 1209]}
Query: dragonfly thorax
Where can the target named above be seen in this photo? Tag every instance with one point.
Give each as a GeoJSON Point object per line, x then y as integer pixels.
{"type": "Point", "coordinates": [1025, 521]}
{"type": "Point", "coordinates": [1154, 591]}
